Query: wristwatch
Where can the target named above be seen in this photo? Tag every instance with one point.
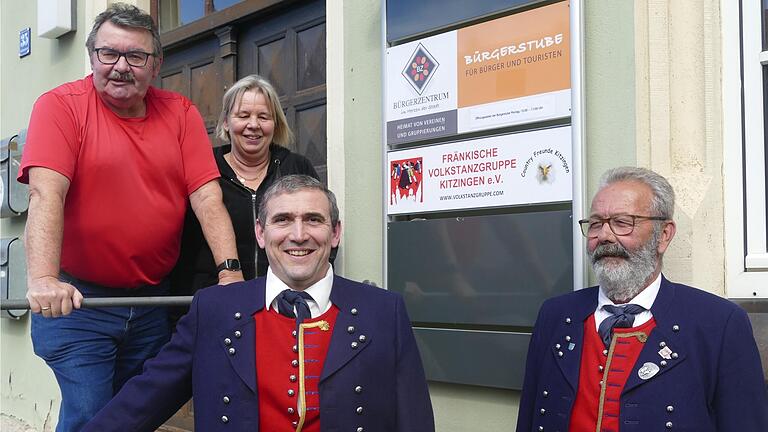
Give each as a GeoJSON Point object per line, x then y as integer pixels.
{"type": "Point", "coordinates": [229, 264]}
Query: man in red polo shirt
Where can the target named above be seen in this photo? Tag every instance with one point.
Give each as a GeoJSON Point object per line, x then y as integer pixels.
{"type": "Point", "coordinates": [111, 164]}
{"type": "Point", "coordinates": [640, 353]}
{"type": "Point", "coordinates": [301, 349]}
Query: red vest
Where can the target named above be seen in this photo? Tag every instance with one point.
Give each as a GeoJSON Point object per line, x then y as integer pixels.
{"type": "Point", "coordinates": [283, 380]}
{"type": "Point", "coordinates": [602, 376]}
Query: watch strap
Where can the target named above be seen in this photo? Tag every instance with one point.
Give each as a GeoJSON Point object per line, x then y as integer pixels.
{"type": "Point", "coordinates": [229, 264]}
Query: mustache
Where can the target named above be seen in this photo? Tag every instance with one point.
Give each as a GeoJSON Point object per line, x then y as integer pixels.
{"type": "Point", "coordinates": [121, 76]}
{"type": "Point", "coordinates": [609, 250]}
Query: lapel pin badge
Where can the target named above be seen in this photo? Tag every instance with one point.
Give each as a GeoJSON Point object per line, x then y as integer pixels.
{"type": "Point", "coordinates": [648, 371]}
{"type": "Point", "coordinates": [666, 353]}
{"type": "Point", "coordinates": [571, 346]}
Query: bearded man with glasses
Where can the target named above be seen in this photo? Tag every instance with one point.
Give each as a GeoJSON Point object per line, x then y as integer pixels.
{"type": "Point", "coordinates": [112, 164]}
{"type": "Point", "coordinates": [638, 352]}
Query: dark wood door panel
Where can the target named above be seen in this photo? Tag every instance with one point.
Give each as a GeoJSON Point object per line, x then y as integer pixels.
{"type": "Point", "coordinates": [177, 82]}
{"type": "Point", "coordinates": [206, 91]}
{"type": "Point", "coordinates": [195, 71]}
{"type": "Point", "coordinates": [310, 57]}
{"type": "Point", "coordinates": [311, 131]}
{"type": "Point", "coordinates": [273, 64]}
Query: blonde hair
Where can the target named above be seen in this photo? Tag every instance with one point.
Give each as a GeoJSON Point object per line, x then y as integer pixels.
{"type": "Point", "coordinates": [282, 135]}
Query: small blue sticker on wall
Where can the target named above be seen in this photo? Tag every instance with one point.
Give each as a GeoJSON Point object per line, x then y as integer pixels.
{"type": "Point", "coordinates": [25, 42]}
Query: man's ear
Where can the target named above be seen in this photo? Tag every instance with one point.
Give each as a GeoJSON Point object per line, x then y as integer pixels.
{"type": "Point", "coordinates": [336, 238]}
{"type": "Point", "coordinates": [260, 234]}
{"type": "Point", "coordinates": [157, 63]}
{"type": "Point", "coordinates": [667, 234]}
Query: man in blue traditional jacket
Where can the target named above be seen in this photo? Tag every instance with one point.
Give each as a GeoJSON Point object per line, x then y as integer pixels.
{"type": "Point", "coordinates": [298, 350]}
{"type": "Point", "coordinates": [640, 353]}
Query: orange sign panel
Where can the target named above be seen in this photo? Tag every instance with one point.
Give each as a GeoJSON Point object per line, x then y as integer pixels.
{"type": "Point", "coordinates": [520, 55]}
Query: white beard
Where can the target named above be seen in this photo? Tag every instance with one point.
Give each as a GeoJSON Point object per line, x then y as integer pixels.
{"type": "Point", "coordinates": [623, 281]}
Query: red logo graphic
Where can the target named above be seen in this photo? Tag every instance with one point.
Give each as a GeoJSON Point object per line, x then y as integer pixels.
{"type": "Point", "coordinates": [420, 69]}
{"type": "Point", "coordinates": [405, 180]}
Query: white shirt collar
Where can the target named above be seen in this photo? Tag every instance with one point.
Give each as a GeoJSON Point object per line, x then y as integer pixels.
{"type": "Point", "coordinates": [644, 299]}
{"type": "Point", "coordinates": [320, 292]}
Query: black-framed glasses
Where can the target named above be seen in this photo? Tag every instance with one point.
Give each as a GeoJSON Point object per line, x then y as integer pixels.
{"type": "Point", "coordinates": [621, 225]}
{"type": "Point", "coordinates": [109, 56]}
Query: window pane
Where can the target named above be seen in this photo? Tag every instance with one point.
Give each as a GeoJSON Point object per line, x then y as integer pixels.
{"type": "Point", "coordinates": [765, 136]}
{"type": "Point", "coordinates": [222, 4]}
{"type": "Point", "coordinates": [175, 13]}
{"type": "Point", "coordinates": [765, 25]}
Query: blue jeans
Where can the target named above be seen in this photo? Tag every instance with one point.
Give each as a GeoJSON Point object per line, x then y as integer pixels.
{"type": "Point", "coordinates": [93, 352]}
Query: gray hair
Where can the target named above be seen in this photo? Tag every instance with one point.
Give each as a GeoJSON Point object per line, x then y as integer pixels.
{"type": "Point", "coordinates": [296, 183]}
{"type": "Point", "coordinates": [125, 15]}
{"type": "Point", "coordinates": [282, 135]}
{"type": "Point", "coordinates": [663, 202]}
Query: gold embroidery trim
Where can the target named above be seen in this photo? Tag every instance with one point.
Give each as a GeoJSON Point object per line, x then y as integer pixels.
{"type": "Point", "coordinates": [642, 337]}
{"type": "Point", "coordinates": [323, 326]}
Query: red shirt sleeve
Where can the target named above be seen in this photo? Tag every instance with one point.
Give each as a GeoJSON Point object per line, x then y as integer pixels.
{"type": "Point", "coordinates": [196, 152]}
{"type": "Point", "coordinates": [53, 138]}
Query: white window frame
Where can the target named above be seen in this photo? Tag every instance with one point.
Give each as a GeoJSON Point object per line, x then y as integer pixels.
{"type": "Point", "coordinates": [744, 149]}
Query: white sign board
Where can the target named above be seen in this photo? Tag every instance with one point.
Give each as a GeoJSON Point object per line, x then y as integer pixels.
{"type": "Point", "coordinates": [522, 168]}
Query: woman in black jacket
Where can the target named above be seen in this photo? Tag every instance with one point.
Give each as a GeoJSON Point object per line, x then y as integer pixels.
{"type": "Point", "coordinates": [253, 124]}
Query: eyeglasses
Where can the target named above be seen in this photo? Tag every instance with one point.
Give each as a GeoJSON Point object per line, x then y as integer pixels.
{"type": "Point", "coordinates": [621, 225]}
{"type": "Point", "coordinates": [108, 56]}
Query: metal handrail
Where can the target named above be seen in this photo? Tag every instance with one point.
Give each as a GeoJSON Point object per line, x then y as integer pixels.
{"type": "Point", "coordinates": [9, 304]}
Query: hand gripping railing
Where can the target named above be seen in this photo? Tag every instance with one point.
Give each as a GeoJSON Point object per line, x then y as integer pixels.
{"type": "Point", "coordinates": [10, 304]}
